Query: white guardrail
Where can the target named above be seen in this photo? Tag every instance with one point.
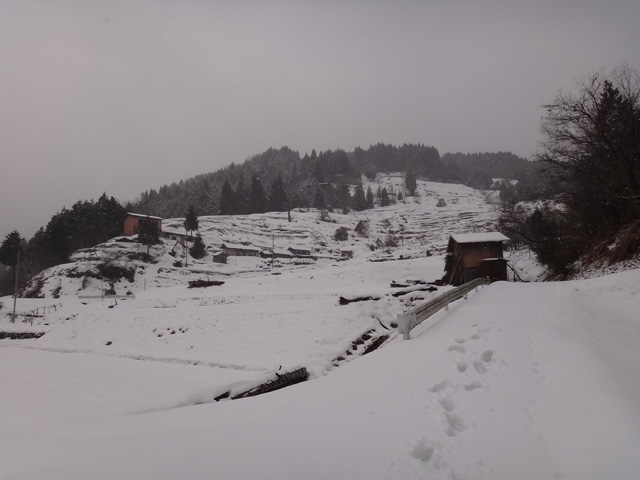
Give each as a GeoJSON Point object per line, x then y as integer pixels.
{"type": "Point", "coordinates": [410, 319]}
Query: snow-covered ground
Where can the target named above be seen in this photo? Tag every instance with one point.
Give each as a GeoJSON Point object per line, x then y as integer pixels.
{"type": "Point", "coordinates": [521, 380]}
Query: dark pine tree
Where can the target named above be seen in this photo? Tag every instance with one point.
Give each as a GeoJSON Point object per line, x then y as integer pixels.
{"type": "Point", "coordinates": [359, 201]}
{"type": "Point", "coordinates": [191, 220]}
{"type": "Point", "coordinates": [278, 200]}
{"type": "Point", "coordinates": [384, 198]}
{"type": "Point", "coordinates": [318, 201]}
{"type": "Point", "coordinates": [410, 182]}
{"type": "Point", "coordinates": [227, 197]}
{"type": "Point", "coordinates": [12, 244]}
{"type": "Point", "coordinates": [343, 198]}
{"type": "Point", "coordinates": [198, 249]}
{"type": "Point", "coordinates": [240, 198]}
{"type": "Point", "coordinates": [257, 197]}
{"type": "Point", "coordinates": [148, 233]}
{"type": "Point", "coordinates": [369, 197]}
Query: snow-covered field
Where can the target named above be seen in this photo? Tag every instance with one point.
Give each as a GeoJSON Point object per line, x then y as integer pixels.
{"type": "Point", "coordinates": [521, 380]}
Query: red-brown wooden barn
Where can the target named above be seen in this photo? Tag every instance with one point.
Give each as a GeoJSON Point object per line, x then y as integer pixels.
{"type": "Point", "coordinates": [475, 255]}
{"type": "Point", "coordinates": [132, 221]}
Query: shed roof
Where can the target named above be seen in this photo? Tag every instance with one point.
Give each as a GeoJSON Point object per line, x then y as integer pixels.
{"type": "Point", "coordinates": [299, 247]}
{"type": "Point", "coordinates": [479, 237]}
{"type": "Point", "coordinates": [143, 216]}
{"type": "Point", "coordinates": [237, 246]}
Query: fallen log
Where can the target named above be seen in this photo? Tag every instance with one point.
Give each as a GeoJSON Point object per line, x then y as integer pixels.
{"type": "Point", "coordinates": [205, 283]}
{"type": "Point", "coordinates": [282, 380]}
{"type": "Point", "coordinates": [399, 293]}
{"type": "Point", "coordinates": [20, 335]}
{"type": "Point", "coordinates": [347, 301]}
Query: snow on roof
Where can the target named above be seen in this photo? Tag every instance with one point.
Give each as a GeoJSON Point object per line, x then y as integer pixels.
{"type": "Point", "coordinates": [143, 216]}
{"type": "Point", "coordinates": [300, 247]}
{"type": "Point", "coordinates": [176, 232]}
{"type": "Point", "coordinates": [479, 237]}
{"type": "Point", "coordinates": [238, 246]}
{"type": "Point", "coordinates": [280, 251]}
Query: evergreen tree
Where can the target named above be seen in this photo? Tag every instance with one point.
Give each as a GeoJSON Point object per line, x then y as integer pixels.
{"type": "Point", "coordinates": [227, 198]}
{"type": "Point", "coordinates": [148, 233]}
{"type": "Point", "coordinates": [318, 171]}
{"type": "Point", "coordinates": [410, 182]}
{"type": "Point", "coordinates": [240, 198]}
{"type": "Point", "coordinates": [359, 201]}
{"type": "Point", "coordinates": [369, 197]}
{"type": "Point", "coordinates": [257, 197]}
{"type": "Point", "coordinates": [198, 249]}
{"type": "Point", "coordinates": [110, 215]}
{"type": "Point", "coordinates": [37, 251]}
{"type": "Point", "coordinates": [343, 198]}
{"type": "Point", "coordinates": [191, 220]}
{"type": "Point", "coordinates": [58, 237]}
{"type": "Point", "coordinates": [12, 244]}
{"type": "Point", "coordinates": [318, 201]}
{"type": "Point", "coordinates": [384, 198]}
{"type": "Point", "coordinates": [278, 200]}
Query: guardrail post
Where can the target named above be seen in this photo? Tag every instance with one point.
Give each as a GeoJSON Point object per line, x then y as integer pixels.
{"type": "Point", "coordinates": [403, 325]}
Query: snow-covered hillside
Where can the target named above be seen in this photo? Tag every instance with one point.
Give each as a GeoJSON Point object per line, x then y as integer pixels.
{"type": "Point", "coordinates": [526, 380]}
{"type": "Point", "coordinates": [248, 322]}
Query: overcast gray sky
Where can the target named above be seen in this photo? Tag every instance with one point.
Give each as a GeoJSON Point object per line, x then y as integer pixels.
{"type": "Point", "coordinates": [121, 96]}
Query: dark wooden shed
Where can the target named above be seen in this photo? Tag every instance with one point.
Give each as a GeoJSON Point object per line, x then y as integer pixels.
{"type": "Point", "coordinates": [475, 255]}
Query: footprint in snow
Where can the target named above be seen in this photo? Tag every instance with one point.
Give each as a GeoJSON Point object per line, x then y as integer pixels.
{"type": "Point", "coordinates": [455, 424]}
{"type": "Point", "coordinates": [438, 387]}
{"type": "Point", "coordinates": [487, 356]}
{"type": "Point", "coordinates": [422, 451]}
{"type": "Point", "coordinates": [479, 366]}
{"type": "Point", "coordinates": [447, 404]}
{"type": "Point", "coordinates": [472, 386]}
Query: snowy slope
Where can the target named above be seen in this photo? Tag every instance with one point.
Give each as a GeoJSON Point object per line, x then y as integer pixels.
{"type": "Point", "coordinates": [520, 381]}
{"type": "Point", "coordinates": [247, 323]}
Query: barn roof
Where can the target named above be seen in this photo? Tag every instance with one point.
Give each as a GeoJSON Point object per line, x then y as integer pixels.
{"type": "Point", "coordinates": [131, 214]}
{"type": "Point", "coordinates": [237, 246]}
{"type": "Point", "coordinates": [299, 247]}
{"type": "Point", "coordinates": [479, 237]}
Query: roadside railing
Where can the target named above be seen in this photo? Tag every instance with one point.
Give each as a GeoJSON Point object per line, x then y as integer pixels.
{"type": "Point", "coordinates": [410, 319]}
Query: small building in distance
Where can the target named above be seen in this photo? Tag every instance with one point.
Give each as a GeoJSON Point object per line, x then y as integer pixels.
{"type": "Point", "coordinates": [276, 253]}
{"type": "Point", "coordinates": [218, 256]}
{"type": "Point", "coordinates": [300, 250]}
{"type": "Point", "coordinates": [238, 250]}
{"type": "Point", "coordinates": [346, 254]}
{"type": "Point", "coordinates": [178, 237]}
{"type": "Point", "coordinates": [475, 255]}
{"type": "Point", "coordinates": [132, 222]}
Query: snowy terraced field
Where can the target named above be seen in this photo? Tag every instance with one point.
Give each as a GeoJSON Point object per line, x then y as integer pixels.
{"type": "Point", "coordinates": [530, 381]}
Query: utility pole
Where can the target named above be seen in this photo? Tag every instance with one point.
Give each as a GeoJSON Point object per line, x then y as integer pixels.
{"type": "Point", "coordinates": [15, 289]}
{"type": "Point", "coordinates": [186, 254]}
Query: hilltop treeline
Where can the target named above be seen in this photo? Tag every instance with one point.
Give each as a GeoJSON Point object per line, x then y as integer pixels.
{"type": "Point", "coordinates": [317, 179]}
